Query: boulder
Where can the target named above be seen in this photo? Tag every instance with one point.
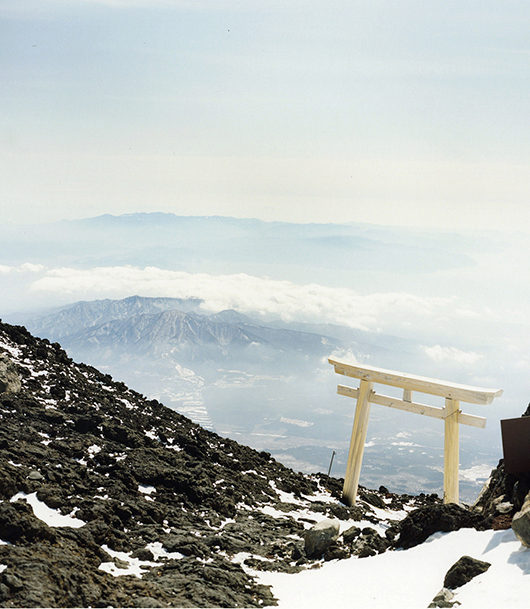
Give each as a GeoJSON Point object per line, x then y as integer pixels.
{"type": "Point", "coordinates": [319, 537]}
{"type": "Point", "coordinates": [35, 475]}
{"type": "Point", "coordinates": [521, 523]}
{"type": "Point", "coordinates": [423, 522]}
{"type": "Point", "coordinates": [9, 378]}
{"type": "Point", "coordinates": [350, 534]}
{"type": "Point", "coordinates": [463, 571]}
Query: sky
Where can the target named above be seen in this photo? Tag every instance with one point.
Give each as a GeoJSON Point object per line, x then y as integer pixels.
{"type": "Point", "coordinates": [406, 113]}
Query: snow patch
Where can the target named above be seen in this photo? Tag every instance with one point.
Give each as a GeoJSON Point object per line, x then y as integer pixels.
{"type": "Point", "coordinates": [94, 449]}
{"type": "Point", "coordinates": [53, 518]}
{"type": "Point", "coordinates": [134, 566]}
{"type": "Point", "coordinates": [146, 489]}
{"type": "Point", "coordinates": [159, 551]}
{"type": "Point", "coordinates": [15, 351]}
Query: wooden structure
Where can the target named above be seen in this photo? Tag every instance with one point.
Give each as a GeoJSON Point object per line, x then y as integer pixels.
{"type": "Point", "coordinates": [450, 413]}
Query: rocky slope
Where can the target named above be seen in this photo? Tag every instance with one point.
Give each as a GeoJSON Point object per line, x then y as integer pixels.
{"type": "Point", "coordinates": [110, 499]}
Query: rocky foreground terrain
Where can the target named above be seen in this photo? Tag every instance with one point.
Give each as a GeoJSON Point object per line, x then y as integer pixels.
{"type": "Point", "coordinates": [110, 499]}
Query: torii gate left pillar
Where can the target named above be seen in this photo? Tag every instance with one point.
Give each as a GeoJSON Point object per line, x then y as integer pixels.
{"type": "Point", "coordinates": [450, 413]}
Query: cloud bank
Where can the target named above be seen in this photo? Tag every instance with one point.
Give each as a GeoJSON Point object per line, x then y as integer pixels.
{"type": "Point", "coordinates": [262, 296]}
{"type": "Point", "coordinates": [444, 355]}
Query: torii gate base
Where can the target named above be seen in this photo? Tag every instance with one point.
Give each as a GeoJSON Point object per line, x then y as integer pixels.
{"type": "Point", "coordinates": [451, 415]}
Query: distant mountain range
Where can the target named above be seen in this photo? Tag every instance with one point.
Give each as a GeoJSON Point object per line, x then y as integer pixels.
{"type": "Point", "coordinates": [169, 325]}
{"type": "Point", "coordinates": [303, 252]}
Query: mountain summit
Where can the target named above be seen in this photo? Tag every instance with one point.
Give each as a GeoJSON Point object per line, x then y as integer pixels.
{"type": "Point", "coordinates": [110, 499]}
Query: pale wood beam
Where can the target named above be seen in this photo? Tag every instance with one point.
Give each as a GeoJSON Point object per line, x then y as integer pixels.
{"type": "Point", "coordinates": [455, 391]}
{"type": "Point", "coordinates": [451, 451]}
{"type": "Point", "coordinates": [429, 411]}
{"type": "Point", "coordinates": [358, 439]}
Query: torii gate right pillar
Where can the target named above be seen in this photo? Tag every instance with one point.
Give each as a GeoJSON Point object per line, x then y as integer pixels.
{"type": "Point", "coordinates": [451, 450]}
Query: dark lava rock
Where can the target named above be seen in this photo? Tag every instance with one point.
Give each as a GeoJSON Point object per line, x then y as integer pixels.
{"type": "Point", "coordinates": [9, 377]}
{"type": "Point", "coordinates": [372, 499]}
{"type": "Point", "coordinates": [521, 523]}
{"type": "Point", "coordinates": [423, 522]}
{"type": "Point", "coordinates": [350, 534]}
{"type": "Point", "coordinates": [320, 537]}
{"type": "Point", "coordinates": [18, 524]}
{"type": "Point", "coordinates": [503, 488]}
{"type": "Point", "coordinates": [337, 551]}
{"type": "Point", "coordinates": [137, 473]}
{"type": "Point", "coordinates": [463, 571]}
{"type": "Point", "coordinates": [369, 543]}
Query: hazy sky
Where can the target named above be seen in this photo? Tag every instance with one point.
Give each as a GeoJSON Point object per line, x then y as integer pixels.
{"type": "Point", "coordinates": [395, 112]}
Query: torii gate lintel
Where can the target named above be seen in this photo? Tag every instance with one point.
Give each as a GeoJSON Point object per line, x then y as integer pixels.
{"type": "Point", "coordinates": [451, 414]}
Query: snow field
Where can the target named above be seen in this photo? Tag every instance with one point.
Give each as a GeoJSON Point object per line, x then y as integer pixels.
{"type": "Point", "coordinates": [409, 579]}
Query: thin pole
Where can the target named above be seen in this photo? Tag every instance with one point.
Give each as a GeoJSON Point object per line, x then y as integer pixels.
{"type": "Point", "coordinates": [331, 463]}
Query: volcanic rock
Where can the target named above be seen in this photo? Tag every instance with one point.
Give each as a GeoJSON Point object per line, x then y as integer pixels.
{"type": "Point", "coordinates": [423, 522]}
{"type": "Point", "coordinates": [9, 378]}
{"type": "Point", "coordinates": [319, 537]}
{"type": "Point", "coordinates": [463, 571]}
{"type": "Point", "coordinates": [521, 523]}
{"type": "Point", "coordinates": [501, 489]}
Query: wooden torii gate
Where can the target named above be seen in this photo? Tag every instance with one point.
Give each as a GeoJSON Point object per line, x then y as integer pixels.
{"type": "Point", "coordinates": [450, 413]}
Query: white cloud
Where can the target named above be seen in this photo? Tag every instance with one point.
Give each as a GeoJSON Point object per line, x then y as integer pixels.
{"type": "Point", "coordinates": [451, 354]}
{"type": "Point", "coordinates": [26, 267]}
{"type": "Point", "coordinates": [389, 311]}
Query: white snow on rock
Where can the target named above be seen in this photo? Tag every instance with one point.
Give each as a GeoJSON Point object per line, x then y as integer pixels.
{"type": "Point", "coordinates": [3, 568]}
{"type": "Point", "coordinates": [134, 566]}
{"type": "Point", "coordinates": [94, 449]}
{"type": "Point", "coordinates": [128, 404]}
{"type": "Point", "coordinates": [409, 579]}
{"type": "Point", "coordinates": [15, 351]}
{"type": "Point", "coordinates": [305, 514]}
{"type": "Point", "coordinates": [158, 551]}
{"type": "Point", "coordinates": [174, 447]}
{"type": "Point", "coordinates": [53, 518]}
{"type": "Point", "coordinates": [146, 489]}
